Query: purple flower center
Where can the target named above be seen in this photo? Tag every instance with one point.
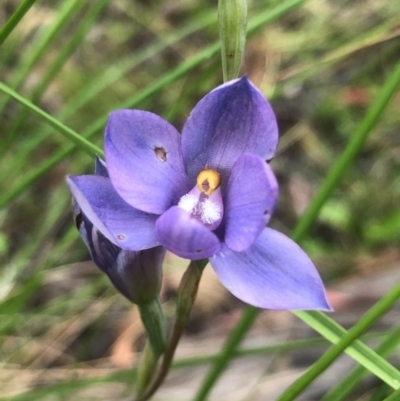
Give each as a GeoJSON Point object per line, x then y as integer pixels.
{"type": "Point", "coordinates": [204, 201]}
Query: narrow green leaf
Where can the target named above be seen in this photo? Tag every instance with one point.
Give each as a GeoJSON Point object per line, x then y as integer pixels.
{"type": "Point", "coordinates": [53, 70]}
{"type": "Point", "coordinates": [344, 386]}
{"type": "Point", "coordinates": [67, 386]}
{"type": "Point", "coordinates": [19, 13]}
{"type": "Point", "coordinates": [78, 140]}
{"type": "Point", "coordinates": [66, 13]}
{"type": "Point", "coordinates": [395, 396]}
{"type": "Point", "coordinates": [390, 376]}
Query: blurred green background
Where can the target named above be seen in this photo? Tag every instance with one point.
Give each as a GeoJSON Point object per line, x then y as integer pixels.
{"type": "Point", "coordinates": [62, 326]}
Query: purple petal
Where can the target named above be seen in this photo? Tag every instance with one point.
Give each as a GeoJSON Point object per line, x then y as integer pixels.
{"type": "Point", "coordinates": [100, 167]}
{"type": "Point", "coordinates": [136, 274]}
{"type": "Point", "coordinates": [123, 225]}
{"type": "Point", "coordinates": [185, 236]}
{"type": "Point", "coordinates": [233, 119]}
{"type": "Point", "coordinates": [251, 197]}
{"type": "Point", "coordinates": [275, 273]}
{"type": "Point", "coordinates": [144, 160]}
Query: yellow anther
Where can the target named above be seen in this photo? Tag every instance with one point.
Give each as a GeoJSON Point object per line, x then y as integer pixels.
{"type": "Point", "coordinates": [208, 181]}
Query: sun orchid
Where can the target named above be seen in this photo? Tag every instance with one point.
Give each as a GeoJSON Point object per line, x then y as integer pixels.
{"type": "Point", "coordinates": [205, 193]}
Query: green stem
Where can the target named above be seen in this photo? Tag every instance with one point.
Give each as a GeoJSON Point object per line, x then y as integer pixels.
{"type": "Point", "coordinates": [380, 368]}
{"type": "Point", "coordinates": [146, 369]}
{"type": "Point", "coordinates": [186, 296]}
{"type": "Point", "coordinates": [155, 324]}
{"type": "Point", "coordinates": [15, 19]}
{"type": "Point", "coordinates": [232, 21]}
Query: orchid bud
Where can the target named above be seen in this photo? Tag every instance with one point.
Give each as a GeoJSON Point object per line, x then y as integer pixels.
{"type": "Point", "coordinates": [136, 274]}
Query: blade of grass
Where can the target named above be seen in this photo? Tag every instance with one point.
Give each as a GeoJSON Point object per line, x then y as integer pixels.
{"type": "Point", "coordinates": [67, 12]}
{"type": "Point", "coordinates": [73, 136]}
{"type": "Point", "coordinates": [365, 356]}
{"type": "Point", "coordinates": [52, 71]}
{"type": "Point", "coordinates": [380, 367]}
{"type": "Point", "coordinates": [395, 396]}
{"type": "Point", "coordinates": [370, 317]}
{"type": "Point", "coordinates": [380, 393]}
{"type": "Point", "coordinates": [344, 386]}
{"type": "Point", "coordinates": [126, 375]}
{"type": "Point", "coordinates": [17, 16]}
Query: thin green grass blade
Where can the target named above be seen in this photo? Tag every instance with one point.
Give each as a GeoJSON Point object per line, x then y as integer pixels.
{"type": "Point", "coordinates": [67, 12]}
{"type": "Point", "coordinates": [67, 386]}
{"type": "Point", "coordinates": [344, 386]}
{"type": "Point", "coordinates": [73, 136]}
{"type": "Point", "coordinates": [314, 319]}
{"type": "Point", "coordinates": [77, 37]}
{"type": "Point", "coordinates": [19, 13]}
{"type": "Point", "coordinates": [395, 396]}
{"type": "Point", "coordinates": [353, 148]}
{"type": "Point", "coordinates": [371, 316]}
{"type": "Point", "coordinates": [380, 393]}
{"type": "Point", "coordinates": [75, 40]}
{"type": "Point", "coordinates": [365, 356]}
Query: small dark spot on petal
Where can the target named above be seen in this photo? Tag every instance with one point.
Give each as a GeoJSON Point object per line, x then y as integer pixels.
{"type": "Point", "coordinates": [78, 220]}
{"type": "Point", "coordinates": [121, 237]}
{"type": "Point", "coordinates": [199, 250]}
{"type": "Point", "coordinates": [161, 153]}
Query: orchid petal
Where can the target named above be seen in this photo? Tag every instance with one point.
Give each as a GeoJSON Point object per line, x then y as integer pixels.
{"type": "Point", "coordinates": [233, 119]}
{"type": "Point", "coordinates": [144, 160]}
{"type": "Point", "coordinates": [252, 193]}
{"type": "Point", "coordinates": [100, 167]}
{"type": "Point", "coordinates": [136, 274]}
{"type": "Point", "coordinates": [185, 236]}
{"type": "Point", "coordinates": [120, 223]}
{"type": "Point", "coordinates": [275, 273]}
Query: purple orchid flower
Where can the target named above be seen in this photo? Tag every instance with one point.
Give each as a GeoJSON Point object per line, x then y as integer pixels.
{"type": "Point", "coordinates": [136, 274]}
{"type": "Point", "coordinates": [205, 193]}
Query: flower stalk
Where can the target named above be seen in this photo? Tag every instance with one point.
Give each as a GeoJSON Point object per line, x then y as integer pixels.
{"type": "Point", "coordinates": [187, 293]}
{"type": "Point", "coordinates": [232, 17]}
{"type": "Point", "coordinates": [146, 369]}
{"type": "Point", "coordinates": [155, 324]}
